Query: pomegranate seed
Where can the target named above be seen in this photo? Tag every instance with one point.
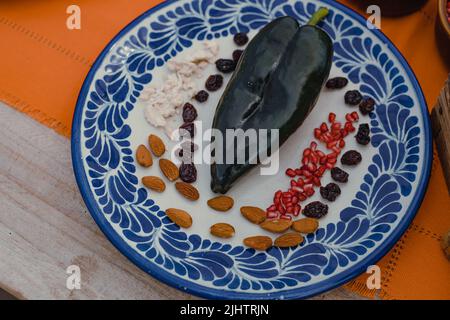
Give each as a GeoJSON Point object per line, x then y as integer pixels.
{"type": "Point", "coordinates": [349, 127]}
{"type": "Point", "coordinates": [298, 172]}
{"type": "Point", "coordinates": [316, 182]}
{"type": "Point", "coordinates": [327, 137]}
{"type": "Point", "coordinates": [336, 126]}
{"type": "Point", "coordinates": [355, 116]}
{"type": "Point", "coordinates": [310, 192]}
{"type": "Point", "coordinates": [297, 209]}
{"type": "Point", "coordinates": [272, 208]}
{"type": "Point", "coordinates": [329, 165]}
{"type": "Point", "coordinates": [331, 117]}
{"type": "Point", "coordinates": [317, 133]}
{"type": "Point", "coordinates": [293, 183]}
{"type": "Point", "coordinates": [319, 153]}
{"type": "Point", "coordinates": [286, 195]}
{"type": "Point", "coordinates": [285, 217]}
{"type": "Point", "coordinates": [302, 197]}
{"type": "Point", "coordinates": [321, 171]}
{"type": "Point", "coordinates": [331, 144]}
{"type": "Point", "coordinates": [308, 180]}
{"type": "Point", "coordinates": [323, 160]}
{"type": "Point", "coordinates": [341, 143]}
{"type": "Point", "coordinates": [281, 209]}
{"type": "Point", "coordinates": [305, 160]}
{"type": "Point", "coordinates": [349, 117]}
{"type": "Point", "coordinates": [290, 173]}
{"type": "Point", "coordinates": [306, 173]}
{"type": "Point", "coordinates": [307, 152]}
{"type": "Point", "coordinates": [313, 146]}
{"type": "Point", "coordinates": [323, 127]}
{"type": "Point", "coordinates": [290, 209]}
{"type": "Point", "coordinates": [314, 159]}
{"type": "Point", "coordinates": [332, 155]}
{"type": "Point", "coordinates": [312, 167]}
{"type": "Point", "coordinates": [294, 200]}
{"type": "Point", "coordinates": [336, 150]}
{"type": "Point", "coordinates": [300, 182]}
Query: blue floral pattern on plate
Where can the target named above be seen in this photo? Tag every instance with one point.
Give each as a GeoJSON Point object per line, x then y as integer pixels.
{"type": "Point", "coordinates": [105, 168]}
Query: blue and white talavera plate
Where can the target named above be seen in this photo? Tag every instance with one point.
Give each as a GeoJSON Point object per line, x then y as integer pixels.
{"type": "Point", "coordinates": [375, 208]}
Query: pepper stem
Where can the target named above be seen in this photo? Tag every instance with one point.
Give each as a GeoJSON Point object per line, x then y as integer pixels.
{"type": "Point", "coordinates": [318, 16]}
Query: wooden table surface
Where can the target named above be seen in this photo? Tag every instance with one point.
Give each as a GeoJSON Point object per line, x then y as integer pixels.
{"type": "Point", "coordinates": [45, 226]}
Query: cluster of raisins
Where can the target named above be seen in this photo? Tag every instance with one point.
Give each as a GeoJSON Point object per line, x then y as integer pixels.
{"type": "Point", "coordinates": [229, 65]}
{"type": "Point", "coordinates": [187, 171]}
{"type": "Point", "coordinates": [331, 191]}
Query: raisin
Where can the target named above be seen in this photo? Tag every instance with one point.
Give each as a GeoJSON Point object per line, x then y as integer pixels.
{"type": "Point", "coordinates": [315, 209]}
{"type": "Point", "coordinates": [339, 175]}
{"type": "Point", "coordinates": [363, 135]}
{"type": "Point", "coordinates": [367, 105]}
{"type": "Point", "coordinates": [237, 55]}
{"type": "Point", "coordinates": [351, 157]}
{"type": "Point", "coordinates": [330, 192]}
{"type": "Point", "coordinates": [353, 97]}
{"type": "Point", "coordinates": [185, 146]}
{"type": "Point", "coordinates": [188, 172]}
{"type": "Point", "coordinates": [240, 39]}
{"type": "Point", "coordinates": [201, 96]}
{"type": "Point", "coordinates": [189, 127]}
{"type": "Point", "coordinates": [336, 83]}
{"type": "Point", "coordinates": [189, 113]}
{"type": "Point", "coordinates": [214, 82]}
{"type": "Point", "coordinates": [225, 65]}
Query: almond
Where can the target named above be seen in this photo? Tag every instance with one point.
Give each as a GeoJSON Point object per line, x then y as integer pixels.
{"type": "Point", "coordinates": [290, 239]}
{"type": "Point", "coordinates": [221, 203]}
{"type": "Point", "coordinates": [157, 145]}
{"type": "Point", "coordinates": [258, 242]}
{"type": "Point", "coordinates": [222, 230]}
{"type": "Point", "coordinates": [253, 214]}
{"type": "Point", "coordinates": [276, 225]}
{"type": "Point", "coordinates": [187, 190]}
{"type": "Point", "coordinates": [305, 225]}
{"type": "Point", "coordinates": [143, 156]}
{"type": "Point", "coordinates": [169, 169]}
{"type": "Point", "coordinates": [154, 183]}
{"type": "Point", "coordinates": [179, 217]}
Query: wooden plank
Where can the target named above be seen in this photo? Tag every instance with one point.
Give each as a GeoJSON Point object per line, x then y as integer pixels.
{"type": "Point", "coordinates": [45, 226]}
{"type": "Point", "coordinates": [440, 119]}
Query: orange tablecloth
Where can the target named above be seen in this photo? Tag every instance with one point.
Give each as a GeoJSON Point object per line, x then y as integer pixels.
{"type": "Point", "coordinates": [43, 65]}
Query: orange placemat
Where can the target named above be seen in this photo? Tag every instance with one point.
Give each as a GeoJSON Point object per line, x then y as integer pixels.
{"type": "Point", "coordinates": [43, 65]}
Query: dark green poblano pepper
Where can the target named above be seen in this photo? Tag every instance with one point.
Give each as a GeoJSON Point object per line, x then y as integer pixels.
{"type": "Point", "coordinates": [275, 86]}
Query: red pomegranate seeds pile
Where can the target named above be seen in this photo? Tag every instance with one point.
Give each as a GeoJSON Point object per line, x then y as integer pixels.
{"type": "Point", "coordinates": [313, 165]}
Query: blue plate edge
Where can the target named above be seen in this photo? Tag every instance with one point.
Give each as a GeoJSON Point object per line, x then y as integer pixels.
{"type": "Point", "coordinates": [206, 292]}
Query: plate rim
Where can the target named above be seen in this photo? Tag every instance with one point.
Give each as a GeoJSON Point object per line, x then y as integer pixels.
{"type": "Point", "coordinates": [212, 293]}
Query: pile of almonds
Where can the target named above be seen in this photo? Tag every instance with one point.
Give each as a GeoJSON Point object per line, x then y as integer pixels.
{"type": "Point", "coordinates": [171, 172]}
{"type": "Point", "coordinates": [290, 239]}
